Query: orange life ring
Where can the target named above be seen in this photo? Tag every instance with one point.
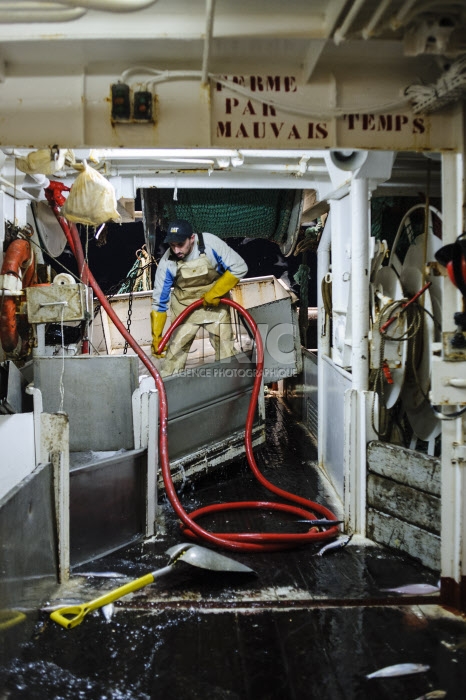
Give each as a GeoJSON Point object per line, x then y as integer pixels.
{"type": "Point", "coordinates": [18, 261]}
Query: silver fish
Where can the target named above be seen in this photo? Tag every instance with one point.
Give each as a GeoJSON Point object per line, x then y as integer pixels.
{"type": "Point", "coordinates": [433, 695]}
{"type": "Point", "coordinates": [398, 670]}
{"type": "Point", "coordinates": [413, 589]}
{"type": "Point", "coordinates": [337, 544]}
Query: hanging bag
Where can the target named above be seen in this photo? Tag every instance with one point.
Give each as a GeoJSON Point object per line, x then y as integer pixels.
{"type": "Point", "coordinates": [91, 199]}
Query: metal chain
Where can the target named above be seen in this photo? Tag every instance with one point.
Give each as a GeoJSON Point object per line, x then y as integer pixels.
{"type": "Point", "coordinates": [142, 271]}
{"type": "Point", "coordinates": [128, 319]}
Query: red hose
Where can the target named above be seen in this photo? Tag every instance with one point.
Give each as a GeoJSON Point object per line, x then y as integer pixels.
{"type": "Point", "coordinates": [54, 196]}
{"type": "Point", "coordinates": [234, 541]}
{"type": "Point", "coordinates": [262, 541]}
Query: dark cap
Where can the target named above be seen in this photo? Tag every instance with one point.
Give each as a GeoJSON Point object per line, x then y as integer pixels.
{"type": "Point", "coordinates": [178, 231]}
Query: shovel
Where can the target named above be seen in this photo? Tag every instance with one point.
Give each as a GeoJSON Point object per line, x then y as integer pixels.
{"type": "Point", "coordinates": [193, 554]}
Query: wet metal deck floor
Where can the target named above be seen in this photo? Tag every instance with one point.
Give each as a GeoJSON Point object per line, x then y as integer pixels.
{"type": "Point", "coordinates": [301, 627]}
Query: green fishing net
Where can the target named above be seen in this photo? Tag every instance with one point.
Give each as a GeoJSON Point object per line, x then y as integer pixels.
{"type": "Point", "coordinates": [235, 213]}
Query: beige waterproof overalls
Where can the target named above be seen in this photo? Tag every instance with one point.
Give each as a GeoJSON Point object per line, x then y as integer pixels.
{"type": "Point", "coordinates": [193, 279]}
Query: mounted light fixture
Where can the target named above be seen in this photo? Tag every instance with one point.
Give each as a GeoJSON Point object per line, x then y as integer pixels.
{"type": "Point", "coordinates": [131, 107]}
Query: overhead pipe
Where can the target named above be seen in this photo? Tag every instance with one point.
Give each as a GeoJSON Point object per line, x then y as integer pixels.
{"type": "Point", "coordinates": [210, 9]}
{"type": "Point", "coordinates": [106, 5]}
{"type": "Point", "coordinates": [407, 13]}
{"type": "Point", "coordinates": [369, 29]}
{"type": "Point", "coordinates": [340, 33]}
{"type": "Point", "coordinates": [29, 12]}
{"type": "Point", "coordinates": [400, 16]}
{"type": "Point", "coordinates": [35, 11]}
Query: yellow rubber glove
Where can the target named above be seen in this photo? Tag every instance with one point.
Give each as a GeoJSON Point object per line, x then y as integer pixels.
{"type": "Point", "coordinates": [157, 322]}
{"type": "Point", "coordinates": [221, 287]}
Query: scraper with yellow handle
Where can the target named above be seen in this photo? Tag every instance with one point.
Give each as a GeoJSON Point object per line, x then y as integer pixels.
{"type": "Point", "coordinates": [193, 554]}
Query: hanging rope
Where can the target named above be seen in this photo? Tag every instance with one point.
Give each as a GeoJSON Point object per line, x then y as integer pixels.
{"type": "Point", "coordinates": [139, 277]}
{"type": "Point", "coordinates": [415, 318]}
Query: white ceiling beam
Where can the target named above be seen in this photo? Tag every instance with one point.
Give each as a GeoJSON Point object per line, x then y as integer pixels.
{"type": "Point", "coordinates": [179, 20]}
{"type": "Point", "coordinates": [312, 57]}
{"type": "Point", "coordinates": [332, 13]}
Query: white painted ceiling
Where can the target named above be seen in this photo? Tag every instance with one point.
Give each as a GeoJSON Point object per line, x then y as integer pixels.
{"type": "Point", "coordinates": [239, 35]}
{"type": "Point", "coordinates": [414, 39]}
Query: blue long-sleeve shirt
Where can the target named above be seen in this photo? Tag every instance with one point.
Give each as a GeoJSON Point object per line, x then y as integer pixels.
{"type": "Point", "coordinates": [220, 255]}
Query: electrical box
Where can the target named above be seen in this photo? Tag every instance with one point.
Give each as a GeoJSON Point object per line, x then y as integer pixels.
{"type": "Point", "coordinates": [130, 107]}
{"type": "Point", "coordinates": [55, 303]}
{"type": "Point", "coordinates": [142, 106]}
{"type": "Point", "coordinates": [121, 102]}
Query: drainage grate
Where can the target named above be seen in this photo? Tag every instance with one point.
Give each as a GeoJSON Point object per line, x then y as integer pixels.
{"type": "Point", "coordinates": [311, 416]}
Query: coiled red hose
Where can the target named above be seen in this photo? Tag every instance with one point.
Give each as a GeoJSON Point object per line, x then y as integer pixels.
{"type": "Point", "coordinates": [234, 541]}
{"type": "Point", "coordinates": [261, 541]}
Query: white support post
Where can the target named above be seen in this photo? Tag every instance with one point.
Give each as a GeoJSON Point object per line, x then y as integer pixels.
{"type": "Point", "coordinates": [37, 410]}
{"type": "Point", "coordinates": [55, 448]}
{"type": "Point", "coordinates": [453, 519]}
{"type": "Point", "coordinates": [152, 462]}
{"type": "Point", "coordinates": [351, 459]}
{"type": "Point", "coordinates": [360, 283]}
{"type": "Point", "coordinates": [355, 403]}
{"type": "Point", "coordinates": [323, 332]}
{"type": "Point", "coordinates": [359, 406]}
{"type": "Point", "coordinates": [145, 426]}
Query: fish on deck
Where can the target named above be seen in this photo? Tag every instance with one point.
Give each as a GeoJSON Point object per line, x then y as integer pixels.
{"type": "Point", "coordinates": [414, 589]}
{"type": "Point", "coordinates": [337, 544]}
{"type": "Point", "coordinates": [398, 670]}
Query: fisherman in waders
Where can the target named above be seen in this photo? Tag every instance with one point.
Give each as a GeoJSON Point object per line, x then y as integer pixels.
{"type": "Point", "coordinates": [197, 266]}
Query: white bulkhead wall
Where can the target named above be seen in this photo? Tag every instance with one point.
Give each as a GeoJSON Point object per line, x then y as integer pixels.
{"type": "Point", "coordinates": [74, 111]}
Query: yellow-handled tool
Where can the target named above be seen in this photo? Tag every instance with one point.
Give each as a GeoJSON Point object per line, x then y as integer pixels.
{"type": "Point", "coordinates": [193, 554]}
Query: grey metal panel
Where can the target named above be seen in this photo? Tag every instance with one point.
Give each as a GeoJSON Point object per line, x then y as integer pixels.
{"type": "Point", "coordinates": [217, 454]}
{"type": "Point", "coordinates": [107, 505]}
{"type": "Point", "coordinates": [310, 391]}
{"type": "Point", "coordinates": [28, 561]}
{"type": "Point", "coordinates": [336, 381]}
{"type": "Point", "coordinates": [47, 304]}
{"type": "Point", "coordinates": [211, 423]}
{"type": "Point", "coordinates": [208, 404]}
{"type": "Point", "coordinates": [279, 329]}
{"type": "Point", "coordinates": [12, 385]}
{"type": "Point", "coordinates": [301, 392]}
{"type": "Point", "coordinates": [201, 385]}
{"type": "Point", "coordinates": [97, 397]}
{"type": "Point", "coordinates": [293, 393]}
